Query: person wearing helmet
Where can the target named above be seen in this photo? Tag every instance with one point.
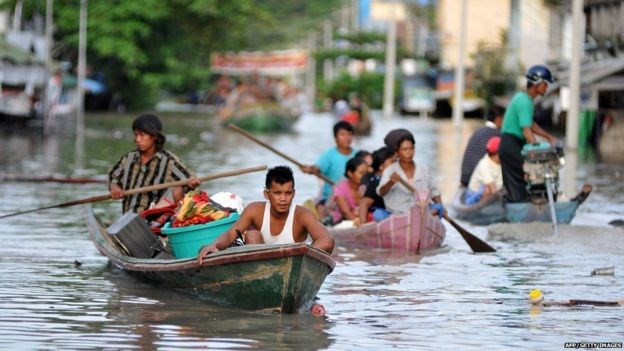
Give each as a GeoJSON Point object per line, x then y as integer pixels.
{"type": "Point", "coordinates": [518, 129]}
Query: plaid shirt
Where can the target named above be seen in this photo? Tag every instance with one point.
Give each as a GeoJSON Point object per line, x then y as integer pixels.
{"type": "Point", "coordinates": [128, 173]}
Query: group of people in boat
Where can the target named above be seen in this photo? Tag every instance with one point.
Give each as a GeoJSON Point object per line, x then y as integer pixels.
{"type": "Point", "coordinates": [274, 221]}
{"type": "Point", "coordinates": [229, 95]}
{"type": "Point", "coordinates": [493, 160]}
{"type": "Point", "coordinates": [355, 112]}
{"type": "Point", "coordinates": [366, 186]}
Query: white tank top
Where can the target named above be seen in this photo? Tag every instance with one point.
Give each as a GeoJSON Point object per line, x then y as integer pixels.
{"type": "Point", "coordinates": [286, 236]}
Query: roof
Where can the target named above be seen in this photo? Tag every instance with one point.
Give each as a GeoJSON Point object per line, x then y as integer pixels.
{"type": "Point", "coordinates": [14, 54]}
{"type": "Point", "coordinates": [593, 72]}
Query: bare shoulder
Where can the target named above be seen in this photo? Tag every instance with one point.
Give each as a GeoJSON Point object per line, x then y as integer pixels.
{"type": "Point", "coordinates": [302, 212]}
{"type": "Point", "coordinates": [254, 208]}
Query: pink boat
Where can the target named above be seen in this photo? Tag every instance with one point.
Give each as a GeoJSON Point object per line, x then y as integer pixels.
{"type": "Point", "coordinates": [411, 232]}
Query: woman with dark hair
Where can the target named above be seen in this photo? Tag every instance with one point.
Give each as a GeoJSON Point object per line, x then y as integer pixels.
{"type": "Point", "coordinates": [372, 206]}
{"type": "Point", "coordinates": [398, 198]}
{"type": "Point", "coordinates": [345, 194]}
{"type": "Point", "coordinates": [149, 164]}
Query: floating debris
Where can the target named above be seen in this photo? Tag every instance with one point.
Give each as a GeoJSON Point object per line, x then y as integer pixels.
{"type": "Point", "coordinates": [604, 271]}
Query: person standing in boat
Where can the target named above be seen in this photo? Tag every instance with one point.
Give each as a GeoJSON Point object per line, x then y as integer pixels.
{"type": "Point", "coordinates": [398, 198]}
{"type": "Point", "coordinates": [518, 129]}
{"type": "Point", "coordinates": [332, 162]}
{"type": "Point", "coordinates": [278, 220]}
{"type": "Point", "coordinates": [475, 149]}
{"type": "Point", "coordinates": [149, 164]}
{"type": "Point", "coordinates": [486, 180]}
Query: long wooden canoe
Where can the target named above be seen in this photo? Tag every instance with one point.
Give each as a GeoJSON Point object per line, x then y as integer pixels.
{"type": "Point", "coordinates": [414, 231]}
{"type": "Point", "coordinates": [271, 278]}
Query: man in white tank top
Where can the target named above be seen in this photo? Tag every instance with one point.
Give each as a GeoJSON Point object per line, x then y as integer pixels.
{"type": "Point", "coordinates": [280, 221]}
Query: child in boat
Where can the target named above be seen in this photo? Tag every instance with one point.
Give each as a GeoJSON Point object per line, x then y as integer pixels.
{"type": "Point", "coordinates": [346, 196]}
{"type": "Point", "coordinates": [487, 178]}
{"type": "Point", "coordinates": [398, 198]}
{"type": "Point", "coordinates": [372, 206]}
{"type": "Point", "coordinates": [332, 162]}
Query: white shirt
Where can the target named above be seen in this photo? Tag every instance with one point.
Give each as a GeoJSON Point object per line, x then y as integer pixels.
{"type": "Point", "coordinates": [286, 236]}
{"type": "Point", "coordinates": [486, 172]}
{"type": "Point", "coordinates": [399, 199]}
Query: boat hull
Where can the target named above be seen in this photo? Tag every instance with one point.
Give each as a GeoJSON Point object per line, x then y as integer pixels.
{"type": "Point", "coordinates": [481, 213]}
{"type": "Point", "coordinates": [263, 119]}
{"type": "Point", "coordinates": [524, 212]}
{"type": "Point", "coordinates": [275, 278]}
{"type": "Point", "coordinates": [413, 232]}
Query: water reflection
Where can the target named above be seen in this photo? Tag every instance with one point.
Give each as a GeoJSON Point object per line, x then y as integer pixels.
{"type": "Point", "coordinates": [375, 299]}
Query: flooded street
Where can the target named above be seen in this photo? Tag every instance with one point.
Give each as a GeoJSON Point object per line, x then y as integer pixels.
{"type": "Point", "coordinates": [58, 292]}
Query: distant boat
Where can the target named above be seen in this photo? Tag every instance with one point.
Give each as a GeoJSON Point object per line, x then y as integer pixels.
{"type": "Point", "coordinates": [262, 117]}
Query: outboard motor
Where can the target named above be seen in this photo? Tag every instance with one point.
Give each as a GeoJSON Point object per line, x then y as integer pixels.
{"type": "Point", "coordinates": [541, 169]}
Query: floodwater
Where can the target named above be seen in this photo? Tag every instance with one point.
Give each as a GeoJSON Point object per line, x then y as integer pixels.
{"type": "Point", "coordinates": [58, 292]}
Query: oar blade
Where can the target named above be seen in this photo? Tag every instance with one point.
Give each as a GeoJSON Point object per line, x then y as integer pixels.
{"type": "Point", "coordinates": [476, 244]}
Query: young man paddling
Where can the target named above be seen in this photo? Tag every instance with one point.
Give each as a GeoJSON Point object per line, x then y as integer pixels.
{"type": "Point", "coordinates": [278, 220]}
{"type": "Point", "coordinates": [149, 164]}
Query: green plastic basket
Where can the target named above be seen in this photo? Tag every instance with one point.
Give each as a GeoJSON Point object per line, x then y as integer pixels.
{"type": "Point", "coordinates": [186, 241]}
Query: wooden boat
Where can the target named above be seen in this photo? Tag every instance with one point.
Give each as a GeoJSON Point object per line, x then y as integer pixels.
{"type": "Point", "coordinates": [485, 212]}
{"type": "Point", "coordinates": [263, 118]}
{"type": "Point", "coordinates": [496, 210]}
{"type": "Point", "coordinates": [413, 232]}
{"type": "Point", "coordinates": [282, 278]}
{"type": "Point", "coordinates": [524, 212]}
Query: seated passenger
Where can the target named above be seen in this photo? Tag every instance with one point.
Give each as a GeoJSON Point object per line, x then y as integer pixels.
{"type": "Point", "coordinates": [487, 178]}
{"type": "Point", "coordinates": [372, 206]}
{"type": "Point", "coordinates": [345, 194]}
{"type": "Point", "coordinates": [398, 198]}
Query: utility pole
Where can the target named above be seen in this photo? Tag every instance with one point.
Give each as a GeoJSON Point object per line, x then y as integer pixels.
{"type": "Point", "coordinates": [458, 106]}
{"type": "Point", "coordinates": [82, 65]}
{"type": "Point", "coordinates": [328, 64]}
{"type": "Point", "coordinates": [49, 29]}
{"type": "Point", "coordinates": [388, 96]}
{"type": "Point", "coordinates": [311, 71]}
{"type": "Point", "coordinates": [572, 122]}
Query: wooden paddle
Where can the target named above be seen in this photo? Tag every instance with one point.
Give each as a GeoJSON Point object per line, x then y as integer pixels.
{"type": "Point", "coordinates": [49, 179]}
{"type": "Point", "coordinates": [271, 148]}
{"type": "Point", "coordinates": [476, 244]}
{"type": "Point", "coordinates": [140, 190]}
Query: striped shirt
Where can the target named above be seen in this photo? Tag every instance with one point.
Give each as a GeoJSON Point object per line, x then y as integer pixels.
{"type": "Point", "coordinates": [476, 149]}
{"type": "Point", "coordinates": [128, 173]}
{"type": "Point", "coordinates": [399, 199]}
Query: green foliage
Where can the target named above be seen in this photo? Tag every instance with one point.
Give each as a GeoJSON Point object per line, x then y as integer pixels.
{"type": "Point", "coordinates": [493, 75]}
{"type": "Point", "coordinates": [369, 86]}
{"type": "Point", "coordinates": [145, 46]}
{"type": "Point", "coordinates": [360, 38]}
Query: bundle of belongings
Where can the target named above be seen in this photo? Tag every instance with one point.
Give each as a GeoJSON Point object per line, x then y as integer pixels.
{"type": "Point", "coordinates": [196, 208]}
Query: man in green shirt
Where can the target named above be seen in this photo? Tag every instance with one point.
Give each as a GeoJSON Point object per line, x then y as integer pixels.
{"type": "Point", "coordinates": [518, 129]}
